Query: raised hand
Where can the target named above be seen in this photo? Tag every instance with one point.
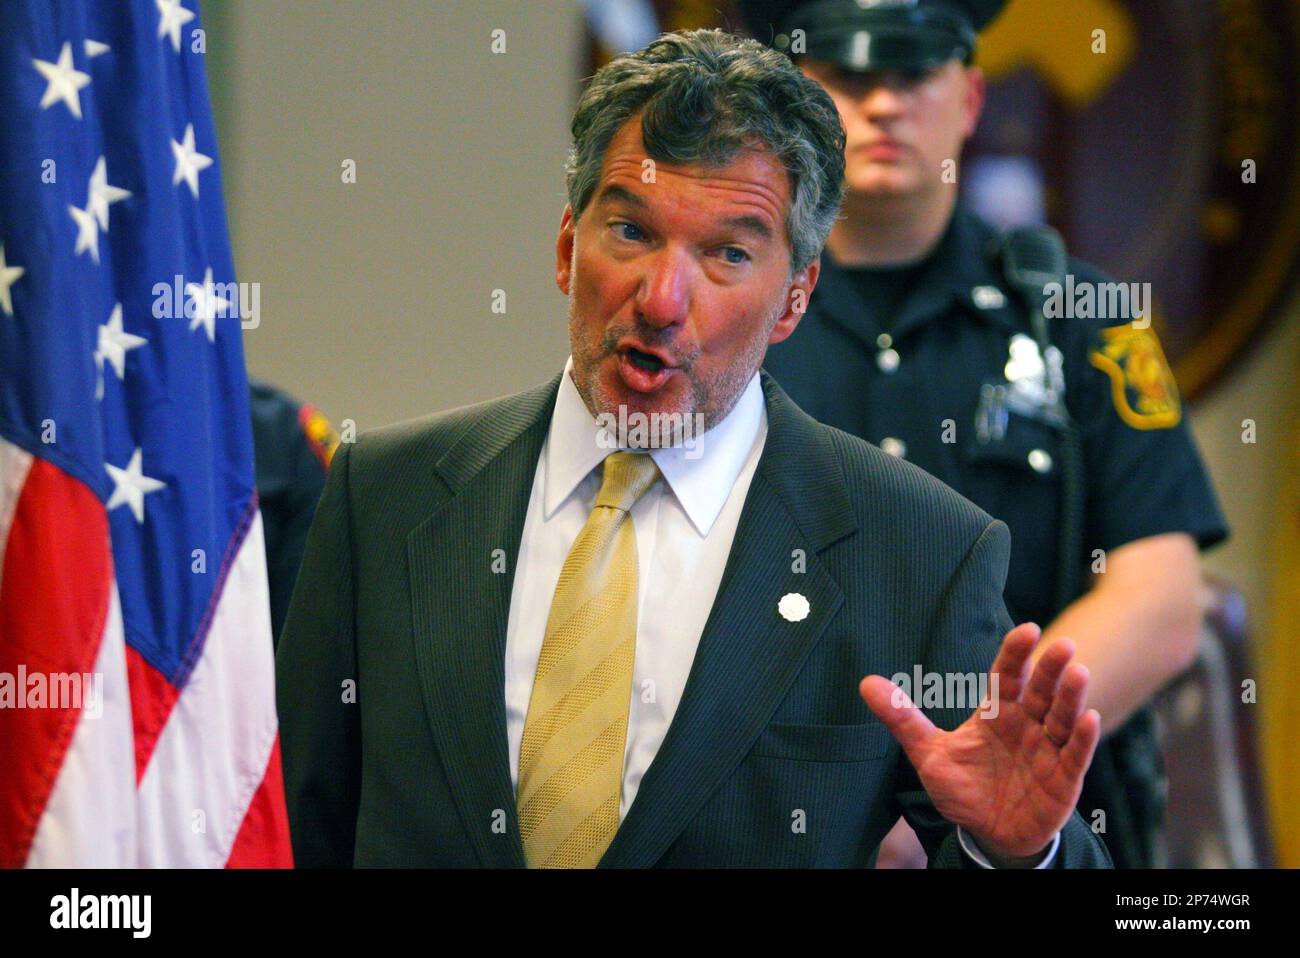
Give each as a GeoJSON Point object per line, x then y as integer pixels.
{"type": "Point", "coordinates": [1009, 776]}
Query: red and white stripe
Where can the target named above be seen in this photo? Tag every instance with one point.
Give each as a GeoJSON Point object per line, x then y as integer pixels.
{"type": "Point", "coordinates": [159, 779]}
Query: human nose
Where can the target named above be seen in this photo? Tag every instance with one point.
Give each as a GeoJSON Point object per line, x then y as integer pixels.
{"type": "Point", "coordinates": [663, 298]}
{"type": "Point", "coordinates": [884, 98]}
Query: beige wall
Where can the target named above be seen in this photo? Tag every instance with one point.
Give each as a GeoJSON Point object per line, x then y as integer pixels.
{"type": "Point", "coordinates": [376, 296]}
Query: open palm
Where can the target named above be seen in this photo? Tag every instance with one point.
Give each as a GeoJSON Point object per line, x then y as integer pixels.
{"type": "Point", "coordinates": [1009, 775]}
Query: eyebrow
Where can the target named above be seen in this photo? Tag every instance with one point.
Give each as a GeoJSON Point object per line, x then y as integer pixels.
{"type": "Point", "coordinates": [613, 193]}
{"type": "Point", "coordinates": [749, 224]}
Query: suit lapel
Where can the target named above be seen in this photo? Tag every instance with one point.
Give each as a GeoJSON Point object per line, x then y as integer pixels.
{"type": "Point", "coordinates": [749, 654]}
{"type": "Point", "coordinates": [460, 609]}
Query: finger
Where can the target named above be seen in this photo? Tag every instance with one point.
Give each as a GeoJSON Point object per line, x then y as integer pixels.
{"type": "Point", "coordinates": [1047, 674]}
{"type": "Point", "coordinates": [1068, 704]}
{"type": "Point", "coordinates": [1012, 663]}
{"type": "Point", "coordinates": [904, 720]}
{"type": "Point", "coordinates": [1077, 754]}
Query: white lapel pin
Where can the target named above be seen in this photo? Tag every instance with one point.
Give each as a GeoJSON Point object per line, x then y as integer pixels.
{"type": "Point", "coordinates": [793, 607]}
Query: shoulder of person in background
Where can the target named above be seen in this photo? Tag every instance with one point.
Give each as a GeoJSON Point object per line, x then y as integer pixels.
{"type": "Point", "coordinates": [1144, 474]}
{"type": "Point", "coordinates": [1145, 469]}
{"type": "Point", "coordinates": [293, 443]}
{"type": "Point", "coordinates": [295, 426]}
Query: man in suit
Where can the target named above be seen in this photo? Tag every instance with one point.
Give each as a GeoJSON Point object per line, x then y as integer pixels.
{"type": "Point", "coordinates": [545, 631]}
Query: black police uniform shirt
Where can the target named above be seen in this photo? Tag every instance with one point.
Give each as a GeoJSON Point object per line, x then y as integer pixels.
{"type": "Point", "coordinates": [911, 362]}
{"type": "Point", "coordinates": [292, 445]}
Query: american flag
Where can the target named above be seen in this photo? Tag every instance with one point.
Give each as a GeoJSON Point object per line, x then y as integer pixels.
{"type": "Point", "coordinates": [137, 712]}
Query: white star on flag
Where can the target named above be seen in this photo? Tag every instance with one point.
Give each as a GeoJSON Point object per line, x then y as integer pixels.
{"type": "Point", "coordinates": [101, 194]}
{"type": "Point", "coordinates": [114, 344]}
{"type": "Point", "coordinates": [206, 305]}
{"type": "Point", "coordinates": [189, 161]}
{"type": "Point", "coordinates": [174, 16]}
{"type": "Point", "coordinates": [94, 49]}
{"type": "Point", "coordinates": [63, 80]}
{"type": "Point", "coordinates": [8, 276]}
{"type": "Point", "coordinates": [87, 232]}
{"type": "Point", "coordinates": [130, 486]}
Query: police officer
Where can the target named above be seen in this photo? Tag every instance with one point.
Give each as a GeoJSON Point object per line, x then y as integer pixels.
{"type": "Point", "coordinates": [921, 337]}
{"type": "Point", "coordinates": [292, 446]}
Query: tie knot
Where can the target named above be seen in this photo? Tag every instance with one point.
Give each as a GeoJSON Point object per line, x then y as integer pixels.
{"type": "Point", "coordinates": [627, 477]}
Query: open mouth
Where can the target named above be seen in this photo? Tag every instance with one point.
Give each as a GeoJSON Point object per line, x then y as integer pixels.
{"type": "Point", "coordinates": [642, 370]}
{"type": "Point", "coordinates": [646, 362]}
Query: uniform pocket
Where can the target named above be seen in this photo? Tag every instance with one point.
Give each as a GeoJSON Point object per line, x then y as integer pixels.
{"type": "Point", "coordinates": [1028, 450]}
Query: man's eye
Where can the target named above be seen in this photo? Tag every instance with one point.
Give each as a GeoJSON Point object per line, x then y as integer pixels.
{"type": "Point", "coordinates": [622, 229]}
{"type": "Point", "coordinates": [740, 257]}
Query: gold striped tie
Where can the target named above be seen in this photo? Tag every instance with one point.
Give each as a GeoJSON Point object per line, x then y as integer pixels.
{"type": "Point", "coordinates": [571, 756]}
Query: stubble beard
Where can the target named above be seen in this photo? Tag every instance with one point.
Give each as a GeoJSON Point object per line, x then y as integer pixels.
{"type": "Point", "coordinates": [714, 398]}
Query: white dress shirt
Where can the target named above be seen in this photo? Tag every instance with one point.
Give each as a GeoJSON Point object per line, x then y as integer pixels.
{"type": "Point", "coordinates": [684, 525]}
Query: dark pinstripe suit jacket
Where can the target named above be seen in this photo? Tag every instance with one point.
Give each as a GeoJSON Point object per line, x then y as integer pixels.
{"type": "Point", "coordinates": [772, 759]}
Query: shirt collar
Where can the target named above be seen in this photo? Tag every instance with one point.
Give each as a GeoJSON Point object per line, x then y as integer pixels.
{"type": "Point", "coordinates": [963, 261]}
{"type": "Point", "coordinates": [701, 477]}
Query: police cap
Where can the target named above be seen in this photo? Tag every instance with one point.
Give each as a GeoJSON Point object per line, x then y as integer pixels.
{"type": "Point", "coordinates": [910, 35]}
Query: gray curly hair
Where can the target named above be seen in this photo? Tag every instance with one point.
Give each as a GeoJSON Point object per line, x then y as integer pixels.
{"type": "Point", "coordinates": [706, 95]}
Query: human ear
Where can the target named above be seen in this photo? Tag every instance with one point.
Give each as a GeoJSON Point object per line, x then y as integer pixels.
{"type": "Point", "coordinates": [564, 250]}
{"type": "Point", "coordinates": [796, 303]}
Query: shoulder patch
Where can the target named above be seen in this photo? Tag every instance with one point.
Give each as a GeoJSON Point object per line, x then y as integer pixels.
{"type": "Point", "coordinates": [1141, 383]}
{"type": "Point", "coordinates": [320, 434]}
